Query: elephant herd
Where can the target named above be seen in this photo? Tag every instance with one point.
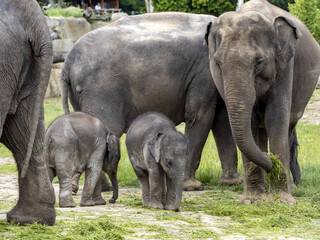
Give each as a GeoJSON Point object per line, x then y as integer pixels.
{"type": "Point", "coordinates": [246, 75]}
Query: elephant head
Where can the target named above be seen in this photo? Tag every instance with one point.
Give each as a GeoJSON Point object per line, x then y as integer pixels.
{"type": "Point", "coordinates": [110, 163]}
{"type": "Point", "coordinates": [171, 152]}
{"type": "Point", "coordinates": [248, 53]}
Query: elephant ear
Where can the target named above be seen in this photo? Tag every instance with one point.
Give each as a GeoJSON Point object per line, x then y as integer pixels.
{"type": "Point", "coordinates": [206, 37]}
{"type": "Point", "coordinates": [286, 35]}
{"type": "Point", "coordinates": [113, 147]}
{"type": "Point", "coordinates": [154, 146]}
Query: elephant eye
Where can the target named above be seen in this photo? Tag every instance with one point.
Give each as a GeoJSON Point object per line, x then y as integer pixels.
{"type": "Point", "coordinates": [169, 162]}
{"type": "Point", "coordinates": [259, 64]}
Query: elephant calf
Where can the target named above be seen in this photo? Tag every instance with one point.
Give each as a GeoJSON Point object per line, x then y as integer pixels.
{"type": "Point", "coordinates": [158, 154]}
{"type": "Point", "coordinates": [79, 142]}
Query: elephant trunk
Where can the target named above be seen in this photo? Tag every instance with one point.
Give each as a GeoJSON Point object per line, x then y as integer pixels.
{"type": "Point", "coordinates": [45, 62]}
{"type": "Point", "coordinates": [114, 182]}
{"type": "Point", "coordinates": [178, 181]}
{"type": "Point", "coordinates": [240, 101]}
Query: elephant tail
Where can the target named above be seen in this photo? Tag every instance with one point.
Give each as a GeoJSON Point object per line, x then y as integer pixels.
{"type": "Point", "coordinates": [42, 49]}
{"type": "Point", "coordinates": [294, 165]}
{"type": "Point", "coordinates": [64, 83]}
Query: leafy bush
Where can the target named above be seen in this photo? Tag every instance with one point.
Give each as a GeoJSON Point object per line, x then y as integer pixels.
{"type": "Point", "coordinates": [214, 7]}
{"type": "Point", "coordinates": [308, 12]}
{"type": "Point", "coordinates": [64, 12]}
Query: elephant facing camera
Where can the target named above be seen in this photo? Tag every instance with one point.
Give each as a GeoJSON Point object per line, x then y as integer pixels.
{"type": "Point", "coordinates": [158, 154]}
{"type": "Point", "coordinates": [76, 143]}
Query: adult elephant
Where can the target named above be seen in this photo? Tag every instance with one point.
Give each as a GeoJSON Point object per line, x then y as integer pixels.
{"type": "Point", "coordinates": [265, 64]}
{"type": "Point", "coordinates": [152, 62]}
{"type": "Point", "coordinates": [25, 65]}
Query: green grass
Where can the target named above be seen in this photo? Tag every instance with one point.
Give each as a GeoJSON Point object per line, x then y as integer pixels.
{"type": "Point", "coordinates": [64, 12]}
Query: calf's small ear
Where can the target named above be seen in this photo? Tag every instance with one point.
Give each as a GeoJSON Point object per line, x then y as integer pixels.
{"type": "Point", "coordinates": [207, 34]}
{"type": "Point", "coordinates": [154, 145]}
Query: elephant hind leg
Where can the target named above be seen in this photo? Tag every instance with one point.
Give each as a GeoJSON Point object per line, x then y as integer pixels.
{"type": "Point", "coordinates": [97, 197]}
{"type": "Point", "coordinates": [92, 175]}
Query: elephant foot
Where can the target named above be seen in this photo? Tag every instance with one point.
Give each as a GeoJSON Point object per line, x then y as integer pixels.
{"type": "Point", "coordinates": [283, 197]}
{"type": "Point", "coordinates": [99, 201]}
{"type": "Point", "coordinates": [249, 198]}
{"type": "Point", "coordinates": [286, 198]}
{"type": "Point", "coordinates": [75, 188]}
{"type": "Point", "coordinates": [171, 207]}
{"type": "Point", "coordinates": [157, 205]}
{"type": "Point", "coordinates": [66, 203]}
{"type": "Point", "coordinates": [146, 203]}
{"type": "Point", "coordinates": [230, 180]}
{"type": "Point", "coordinates": [112, 200]}
{"type": "Point", "coordinates": [28, 214]}
{"type": "Point", "coordinates": [192, 184]}
{"type": "Point", "coordinates": [87, 203]}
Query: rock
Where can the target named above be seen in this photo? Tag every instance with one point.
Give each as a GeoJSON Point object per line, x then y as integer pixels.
{"type": "Point", "coordinates": [53, 34]}
{"type": "Point", "coordinates": [98, 25]}
{"type": "Point", "coordinates": [69, 28]}
{"type": "Point", "coordinates": [61, 47]}
{"type": "Point", "coordinates": [116, 16]}
{"type": "Point", "coordinates": [53, 89]}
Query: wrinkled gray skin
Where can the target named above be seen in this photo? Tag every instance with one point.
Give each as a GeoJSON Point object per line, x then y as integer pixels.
{"type": "Point", "coordinates": [25, 65]}
{"type": "Point", "coordinates": [158, 154]}
{"type": "Point", "coordinates": [265, 64]}
{"type": "Point", "coordinates": [152, 62]}
{"type": "Point", "coordinates": [79, 142]}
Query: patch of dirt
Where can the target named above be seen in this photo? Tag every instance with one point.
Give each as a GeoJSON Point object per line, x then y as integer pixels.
{"type": "Point", "coordinates": [312, 113]}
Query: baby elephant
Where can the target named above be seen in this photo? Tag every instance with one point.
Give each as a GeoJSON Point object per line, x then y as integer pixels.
{"type": "Point", "coordinates": [79, 142]}
{"type": "Point", "coordinates": [158, 154]}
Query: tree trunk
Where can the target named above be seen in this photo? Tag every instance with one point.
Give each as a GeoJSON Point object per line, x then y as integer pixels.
{"type": "Point", "coordinates": [147, 6]}
{"type": "Point", "coordinates": [239, 3]}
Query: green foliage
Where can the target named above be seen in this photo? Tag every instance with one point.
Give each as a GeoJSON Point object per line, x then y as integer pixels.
{"type": "Point", "coordinates": [64, 12]}
{"type": "Point", "coordinates": [214, 7]}
{"type": "Point", "coordinates": [277, 167]}
{"type": "Point", "coordinates": [132, 5]}
{"type": "Point", "coordinates": [281, 3]}
{"type": "Point", "coordinates": [171, 5]}
{"type": "Point", "coordinates": [308, 12]}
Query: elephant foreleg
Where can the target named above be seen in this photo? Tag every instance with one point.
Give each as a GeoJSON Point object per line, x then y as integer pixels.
{"type": "Point", "coordinates": [254, 184]}
{"type": "Point", "coordinates": [226, 147]}
{"type": "Point", "coordinates": [156, 179]}
{"type": "Point", "coordinates": [143, 178]}
{"type": "Point", "coordinates": [36, 194]}
{"type": "Point", "coordinates": [171, 194]}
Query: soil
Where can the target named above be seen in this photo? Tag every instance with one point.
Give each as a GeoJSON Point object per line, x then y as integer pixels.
{"type": "Point", "coordinates": [121, 212]}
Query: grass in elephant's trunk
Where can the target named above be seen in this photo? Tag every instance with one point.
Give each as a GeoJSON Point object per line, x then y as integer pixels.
{"type": "Point", "coordinates": [273, 177]}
